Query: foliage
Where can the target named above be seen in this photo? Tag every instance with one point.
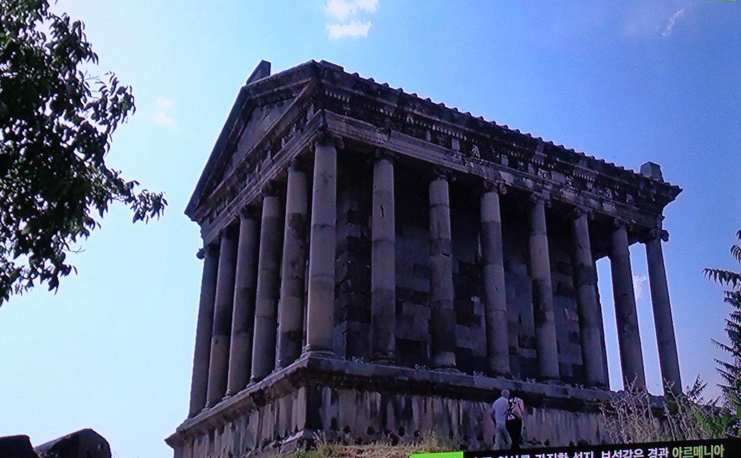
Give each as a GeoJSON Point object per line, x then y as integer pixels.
{"type": "Point", "coordinates": [56, 123]}
{"type": "Point", "coordinates": [633, 416]}
{"type": "Point", "coordinates": [426, 443]}
{"type": "Point", "coordinates": [730, 371]}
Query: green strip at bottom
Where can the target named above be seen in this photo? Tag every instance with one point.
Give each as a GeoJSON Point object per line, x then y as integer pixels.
{"type": "Point", "coordinates": [437, 455]}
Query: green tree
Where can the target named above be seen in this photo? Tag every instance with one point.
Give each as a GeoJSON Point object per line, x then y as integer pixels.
{"type": "Point", "coordinates": [730, 370]}
{"type": "Point", "coordinates": [56, 123]}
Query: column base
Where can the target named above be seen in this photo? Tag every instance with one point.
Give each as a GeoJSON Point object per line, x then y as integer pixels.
{"type": "Point", "coordinates": [387, 359]}
{"type": "Point", "coordinates": [318, 351]}
{"type": "Point", "coordinates": [496, 374]}
{"type": "Point", "coordinates": [444, 360]}
{"type": "Point", "coordinates": [447, 369]}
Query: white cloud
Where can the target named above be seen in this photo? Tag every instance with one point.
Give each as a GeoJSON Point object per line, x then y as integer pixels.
{"type": "Point", "coordinates": [367, 5]}
{"type": "Point", "coordinates": [651, 19]}
{"type": "Point", "coordinates": [163, 115]}
{"type": "Point", "coordinates": [354, 29]}
{"type": "Point", "coordinates": [347, 13]}
{"type": "Point", "coordinates": [672, 21]}
{"type": "Point", "coordinates": [343, 9]}
{"type": "Point", "coordinates": [640, 283]}
{"type": "Point", "coordinates": [338, 9]}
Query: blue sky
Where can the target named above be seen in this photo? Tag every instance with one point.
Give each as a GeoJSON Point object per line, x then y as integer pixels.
{"type": "Point", "coordinates": [626, 81]}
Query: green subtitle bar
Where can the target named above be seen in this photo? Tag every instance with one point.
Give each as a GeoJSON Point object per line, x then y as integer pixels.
{"type": "Point", "coordinates": [438, 455]}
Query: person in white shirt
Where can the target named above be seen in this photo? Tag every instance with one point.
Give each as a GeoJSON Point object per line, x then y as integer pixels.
{"type": "Point", "coordinates": [498, 414]}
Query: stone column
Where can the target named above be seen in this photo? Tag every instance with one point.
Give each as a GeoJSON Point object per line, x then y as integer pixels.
{"type": "Point", "coordinates": [442, 319]}
{"type": "Point", "coordinates": [383, 263]}
{"type": "Point", "coordinates": [268, 285]}
{"type": "Point", "coordinates": [495, 297]}
{"type": "Point", "coordinates": [243, 318]}
{"type": "Point", "coordinates": [291, 304]}
{"type": "Point", "coordinates": [662, 310]}
{"type": "Point", "coordinates": [540, 271]}
{"type": "Point", "coordinates": [219, 362]}
{"type": "Point", "coordinates": [590, 318]}
{"type": "Point", "coordinates": [629, 337]}
{"type": "Point", "coordinates": [320, 301]}
{"type": "Point", "coordinates": [201, 355]}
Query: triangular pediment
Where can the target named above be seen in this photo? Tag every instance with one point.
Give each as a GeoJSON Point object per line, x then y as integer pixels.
{"type": "Point", "coordinates": [260, 119]}
{"type": "Point", "coordinates": [260, 105]}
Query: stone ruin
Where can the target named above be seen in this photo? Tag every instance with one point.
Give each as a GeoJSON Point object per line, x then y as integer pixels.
{"type": "Point", "coordinates": [377, 265]}
{"type": "Point", "coordinates": [85, 443]}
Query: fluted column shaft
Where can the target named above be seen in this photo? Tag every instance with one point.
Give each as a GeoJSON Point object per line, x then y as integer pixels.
{"type": "Point", "coordinates": [666, 342]}
{"type": "Point", "coordinates": [495, 297]}
{"type": "Point", "coordinates": [383, 263]}
{"type": "Point", "coordinates": [291, 304]}
{"type": "Point", "coordinates": [220, 334]}
{"type": "Point", "coordinates": [202, 353]}
{"type": "Point", "coordinates": [243, 317]}
{"type": "Point", "coordinates": [626, 316]}
{"type": "Point", "coordinates": [442, 319]}
{"type": "Point", "coordinates": [320, 302]}
{"type": "Point", "coordinates": [590, 318]}
{"type": "Point", "coordinates": [540, 270]}
{"type": "Point", "coordinates": [268, 285]}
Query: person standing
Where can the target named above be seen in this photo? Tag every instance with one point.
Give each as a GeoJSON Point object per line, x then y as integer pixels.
{"type": "Point", "coordinates": [498, 414]}
{"type": "Point", "coordinates": [515, 415]}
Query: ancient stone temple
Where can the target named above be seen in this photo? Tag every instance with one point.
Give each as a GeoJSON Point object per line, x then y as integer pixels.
{"type": "Point", "coordinates": [379, 265]}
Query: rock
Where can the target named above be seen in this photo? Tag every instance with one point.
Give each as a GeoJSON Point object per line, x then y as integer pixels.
{"type": "Point", "coordinates": [84, 443]}
{"type": "Point", "coordinates": [16, 447]}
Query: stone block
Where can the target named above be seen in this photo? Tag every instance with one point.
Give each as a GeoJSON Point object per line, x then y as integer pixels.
{"type": "Point", "coordinates": [84, 443]}
{"type": "Point", "coordinates": [16, 447]}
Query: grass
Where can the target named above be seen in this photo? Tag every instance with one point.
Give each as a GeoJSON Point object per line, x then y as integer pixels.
{"type": "Point", "coordinates": [428, 442]}
{"type": "Point", "coordinates": [634, 416]}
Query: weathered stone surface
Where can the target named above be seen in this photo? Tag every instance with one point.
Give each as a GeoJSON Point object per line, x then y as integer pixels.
{"type": "Point", "coordinates": [268, 288]}
{"type": "Point", "coordinates": [243, 316]}
{"type": "Point", "coordinates": [419, 295]}
{"type": "Point", "coordinates": [294, 404]}
{"type": "Point", "coordinates": [293, 267]}
{"type": "Point", "coordinates": [322, 250]}
{"type": "Point", "coordinates": [626, 315]}
{"type": "Point", "coordinates": [202, 353]}
{"type": "Point", "coordinates": [664, 324]}
{"type": "Point", "coordinates": [84, 443]}
{"type": "Point", "coordinates": [222, 324]}
{"type": "Point", "coordinates": [16, 447]}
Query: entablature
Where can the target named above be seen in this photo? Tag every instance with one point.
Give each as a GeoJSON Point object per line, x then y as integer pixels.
{"type": "Point", "coordinates": [322, 96]}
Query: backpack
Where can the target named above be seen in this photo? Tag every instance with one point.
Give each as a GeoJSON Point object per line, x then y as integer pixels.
{"type": "Point", "coordinates": [513, 410]}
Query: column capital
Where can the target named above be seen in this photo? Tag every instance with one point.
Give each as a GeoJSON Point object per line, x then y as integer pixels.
{"type": "Point", "coordinates": [621, 223]}
{"type": "Point", "coordinates": [271, 189]}
{"type": "Point", "coordinates": [579, 210]}
{"type": "Point", "coordinates": [326, 138]}
{"type": "Point", "coordinates": [494, 185]}
{"type": "Point", "coordinates": [230, 230]}
{"type": "Point", "coordinates": [249, 212]}
{"type": "Point", "coordinates": [654, 234]}
{"type": "Point", "coordinates": [208, 249]}
{"type": "Point", "coordinates": [441, 172]}
{"type": "Point", "coordinates": [380, 154]}
{"type": "Point", "coordinates": [537, 197]}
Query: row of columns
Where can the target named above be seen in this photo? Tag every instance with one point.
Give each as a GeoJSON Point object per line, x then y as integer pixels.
{"type": "Point", "coordinates": [245, 332]}
{"type": "Point", "coordinates": [251, 311]}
